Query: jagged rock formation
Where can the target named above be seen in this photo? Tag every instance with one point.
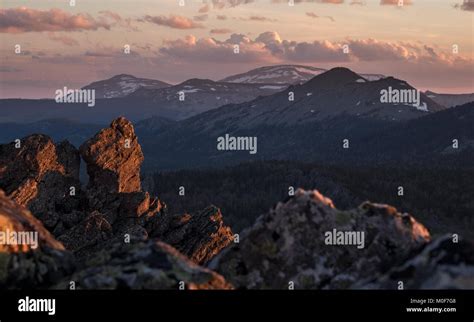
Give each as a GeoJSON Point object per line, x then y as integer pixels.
{"type": "Point", "coordinates": [40, 175]}
{"type": "Point", "coordinates": [200, 237]}
{"type": "Point", "coordinates": [113, 158]}
{"type": "Point", "coordinates": [288, 244]}
{"type": "Point", "coordinates": [137, 265]}
{"type": "Point", "coordinates": [144, 265]}
{"type": "Point", "coordinates": [29, 254]}
{"type": "Point", "coordinates": [442, 264]}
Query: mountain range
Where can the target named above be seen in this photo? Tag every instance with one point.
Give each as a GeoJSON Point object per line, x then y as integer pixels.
{"type": "Point", "coordinates": [153, 98]}
{"type": "Point", "coordinates": [450, 100]}
{"type": "Point", "coordinates": [332, 107]}
{"type": "Point", "coordinates": [307, 121]}
{"type": "Point", "coordinates": [284, 74]}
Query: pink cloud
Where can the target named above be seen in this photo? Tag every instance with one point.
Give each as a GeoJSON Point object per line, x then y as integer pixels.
{"type": "Point", "coordinates": [172, 21]}
{"type": "Point", "coordinates": [269, 46]}
{"type": "Point", "coordinates": [211, 50]}
{"type": "Point", "coordinates": [18, 20]}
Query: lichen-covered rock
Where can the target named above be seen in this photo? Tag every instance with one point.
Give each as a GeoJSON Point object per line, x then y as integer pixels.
{"type": "Point", "coordinates": [41, 176]}
{"type": "Point", "coordinates": [201, 236]}
{"type": "Point", "coordinates": [29, 254]}
{"type": "Point", "coordinates": [442, 264]}
{"type": "Point", "coordinates": [144, 265]}
{"type": "Point", "coordinates": [289, 245]}
{"type": "Point", "coordinates": [113, 158]}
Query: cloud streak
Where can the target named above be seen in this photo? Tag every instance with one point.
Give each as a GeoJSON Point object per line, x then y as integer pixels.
{"type": "Point", "coordinates": [315, 16]}
{"type": "Point", "coordinates": [20, 20]}
{"type": "Point", "coordinates": [172, 21]}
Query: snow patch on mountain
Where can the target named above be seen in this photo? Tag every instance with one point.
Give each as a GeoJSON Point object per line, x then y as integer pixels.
{"type": "Point", "coordinates": [285, 74]}
{"type": "Point", "coordinates": [123, 85]}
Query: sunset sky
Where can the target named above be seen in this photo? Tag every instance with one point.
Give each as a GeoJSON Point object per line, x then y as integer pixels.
{"type": "Point", "coordinates": [63, 45]}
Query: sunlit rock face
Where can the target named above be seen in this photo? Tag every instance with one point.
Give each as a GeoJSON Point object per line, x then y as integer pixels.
{"type": "Point", "coordinates": [29, 255]}
{"type": "Point", "coordinates": [201, 236]}
{"type": "Point", "coordinates": [113, 158]}
{"type": "Point", "coordinates": [42, 176]}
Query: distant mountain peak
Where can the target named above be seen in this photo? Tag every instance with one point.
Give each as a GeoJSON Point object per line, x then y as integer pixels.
{"type": "Point", "coordinates": [335, 77]}
{"type": "Point", "coordinates": [122, 85]}
{"type": "Point", "coordinates": [342, 73]}
{"type": "Point", "coordinates": [123, 76]}
{"type": "Point", "coordinates": [197, 82]}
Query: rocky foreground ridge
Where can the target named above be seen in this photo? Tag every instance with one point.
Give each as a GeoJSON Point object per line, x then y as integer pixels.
{"type": "Point", "coordinates": [112, 234]}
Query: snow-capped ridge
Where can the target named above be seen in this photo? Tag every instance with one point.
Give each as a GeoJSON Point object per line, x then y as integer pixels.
{"type": "Point", "coordinates": [122, 85]}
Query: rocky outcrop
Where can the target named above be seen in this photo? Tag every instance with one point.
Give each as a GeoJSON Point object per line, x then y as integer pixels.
{"type": "Point", "coordinates": [113, 158]}
{"type": "Point", "coordinates": [45, 178]}
{"type": "Point", "coordinates": [106, 226]}
{"type": "Point", "coordinates": [42, 176]}
{"type": "Point", "coordinates": [299, 243]}
{"type": "Point", "coordinates": [200, 237]}
{"type": "Point", "coordinates": [29, 254]}
{"type": "Point", "coordinates": [445, 263]}
{"type": "Point", "coordinates": [41, 261]}
{"type": "Point", "coordinates": [144, 265]}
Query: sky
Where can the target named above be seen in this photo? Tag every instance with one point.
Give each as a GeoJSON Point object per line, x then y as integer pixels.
{"type": "Point", "coordinates": [48, 44]}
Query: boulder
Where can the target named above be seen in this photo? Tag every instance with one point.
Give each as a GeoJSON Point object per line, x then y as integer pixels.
{"type": "Point", "coordinates": [293, 245]}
